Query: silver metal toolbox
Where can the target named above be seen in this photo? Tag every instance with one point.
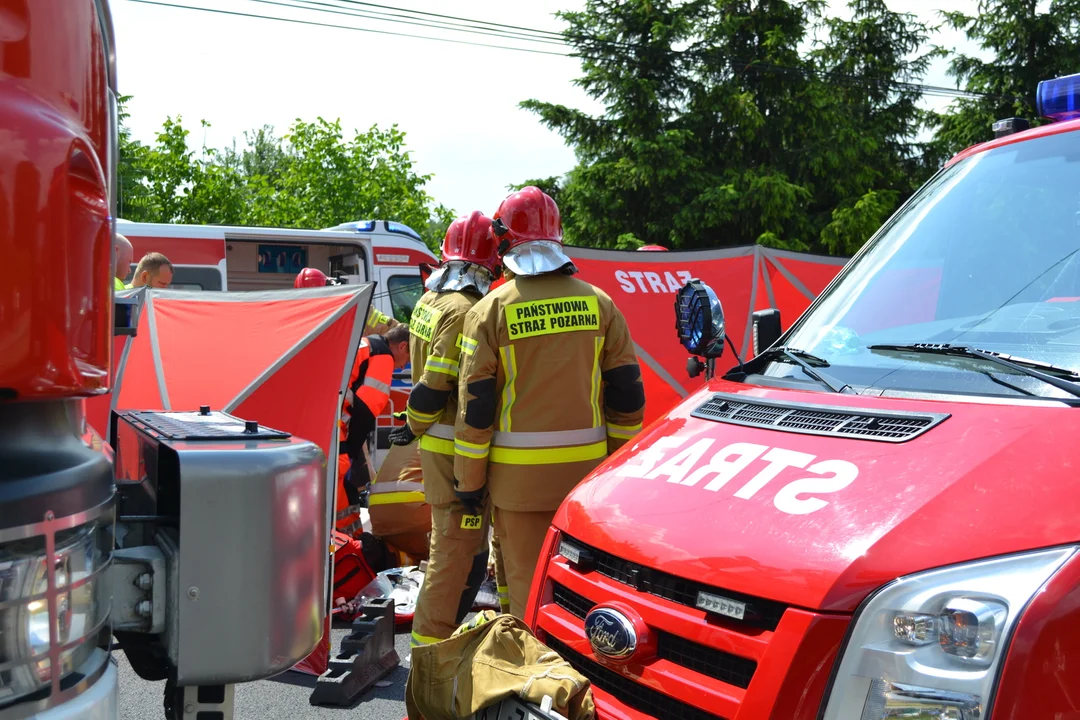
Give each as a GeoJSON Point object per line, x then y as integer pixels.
{"type": "Point", "coordinates": [239, 512]}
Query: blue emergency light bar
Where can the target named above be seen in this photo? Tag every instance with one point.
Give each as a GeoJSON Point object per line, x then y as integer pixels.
{"type": "Point", "coordinates": [1059, 99]}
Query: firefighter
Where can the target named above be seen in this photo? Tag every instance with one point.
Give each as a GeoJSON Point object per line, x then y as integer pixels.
{"type": "Point", "coordinates": [457, 565]}
{"type": "Point", "coordinates": [377, 323]}
{"type": "Point", "coordinates": [400, 516]}
{"type": "Point", "coordinates": [366, 397]}
{"type": "Point", "coordinates": [549, 386]}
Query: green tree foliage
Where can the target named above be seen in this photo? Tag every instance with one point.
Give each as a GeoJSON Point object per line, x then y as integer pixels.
{"type": "Point", "coordinates": [874, 63]}
{"type": "Point", "coordinates": [312, 177]}
{"type": "Point", "coordinates": [721, 128]}
{"type": "Point", "coordinates": [1025, 41]}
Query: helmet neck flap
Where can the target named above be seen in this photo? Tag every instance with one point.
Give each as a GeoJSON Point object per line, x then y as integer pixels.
{"type": "Point", "coordinates": [454, 275]}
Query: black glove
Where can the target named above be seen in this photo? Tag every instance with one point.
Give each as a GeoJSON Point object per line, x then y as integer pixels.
{"type": "Point", "coordinates": [402, 435]}
{"type": "Point", "coordinates": [400, 415]}
{"type": "Point", "coordinates": [473, 500]}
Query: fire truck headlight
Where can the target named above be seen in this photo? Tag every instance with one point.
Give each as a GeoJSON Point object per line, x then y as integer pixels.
{"type": "Point", "coordinates": [931, 644]}
{"type": "Point", "coordinates": [28, 621]}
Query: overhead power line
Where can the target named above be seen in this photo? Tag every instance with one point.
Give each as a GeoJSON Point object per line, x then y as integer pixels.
{"type": "Point", "coordinates": [482, 27]}
{"type": "Point", "coordinates": [517, 33]}
{"type": "Point", "coordinates": [344, 27]}
{"type": "Point", "coordinates": [339, 10]}
{"type": "Point", "coordinates": [451, 17]}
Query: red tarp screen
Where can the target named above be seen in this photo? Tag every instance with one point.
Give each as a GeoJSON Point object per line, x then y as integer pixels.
{"type": "Point", "coordinates": [643, 286]}
{"type": "Point", "coordinates": [281, 358]}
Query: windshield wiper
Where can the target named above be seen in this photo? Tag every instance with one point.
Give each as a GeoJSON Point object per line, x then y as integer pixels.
{"type": "Point", "coordinates": [804, 360]}
{"type": "Point", "coordinates": [1060, 377]}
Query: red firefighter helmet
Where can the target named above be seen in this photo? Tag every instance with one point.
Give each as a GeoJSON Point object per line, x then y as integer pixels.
{"type": "Point", "coordinates": [652, 248]}
{"type": "Point", "coordinates": [529, 230]}
{"type": "Point", "coordinates": [525, 216]}
{"type": "Point", "coordinates": [310, 277]}
{"type": "Point", "coordinates": [469, 239]}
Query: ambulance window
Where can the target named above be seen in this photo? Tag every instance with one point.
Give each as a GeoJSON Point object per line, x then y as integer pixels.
{"type": "Point", "coordinates": [352, 262]}
{"type": "Point", "coordinates": [195, 278]}
{"type": "Point", "coordinates": [405, 291]}
{"type": "Point", "coordinates": [189, 278]}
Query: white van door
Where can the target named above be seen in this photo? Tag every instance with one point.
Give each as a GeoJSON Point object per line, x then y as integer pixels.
{"type": "Point", "coordinates": [397, 292]}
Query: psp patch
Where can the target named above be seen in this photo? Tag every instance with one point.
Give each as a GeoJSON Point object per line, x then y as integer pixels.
{"type": "Point", "coordinates": [472, 522]}
{"type": "Point", "coordinates": [423, 321]}
{"type": "Point", "coordinates": [552, 316]}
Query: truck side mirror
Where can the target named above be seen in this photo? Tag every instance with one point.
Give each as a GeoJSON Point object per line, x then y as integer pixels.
{"type": "Point", "coordinates": [767, 331]}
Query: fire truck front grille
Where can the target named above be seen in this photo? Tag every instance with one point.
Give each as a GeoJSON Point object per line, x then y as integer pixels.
{"type": "Point", "coordinates": [882, 425]}
{"type": "Point", "coordinates": [764, 614]}
{"type": "Point", "coordinates": [570, 601]}
{"type": "Point", "coordinates": [727, 668]}
{"type": "Point", "coordinates": [628, 692]}
{"type": "Point", "coordinates": [722, 666]}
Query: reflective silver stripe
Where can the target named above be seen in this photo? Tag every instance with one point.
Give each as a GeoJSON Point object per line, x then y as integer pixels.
{"type": "Point", "coordinates": [377, 384]}
{"type": "Point", "coordinates": [353, 527]}
{"type": "Point", "coordinates": [468, 345]}
{"type": "Point", "coordinates": [597, 384]}
{"type": "Point", "coordinates": [350, 510]}
{"type": "Point", "coordinates": [509, 361]}
{"type": "Point", "coordinates": [549, 439]}
{"type": "Point", "coordinates": [443, 365]}
{"type": "Point", "coordinates": [350, 397]}
{"type": "Point", "coordinates": [438, 430]}
{"type": "Point", "coordinates": [398, 486]}
{"type": "Point", "coordinates": [471, 450]}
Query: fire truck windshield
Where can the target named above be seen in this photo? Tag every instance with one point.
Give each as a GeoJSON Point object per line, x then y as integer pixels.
{"type": "Point", "coordinates": [987, 255]}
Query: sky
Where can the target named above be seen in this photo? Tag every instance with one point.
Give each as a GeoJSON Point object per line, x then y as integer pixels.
{"type": "Point", "coordinates": [457, 104]}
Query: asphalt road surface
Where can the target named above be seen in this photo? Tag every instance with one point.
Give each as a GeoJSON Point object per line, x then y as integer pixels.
{"type": "Point", "coordinates": [281, 699]}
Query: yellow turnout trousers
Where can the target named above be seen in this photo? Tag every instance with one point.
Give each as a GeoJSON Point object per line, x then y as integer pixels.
{"type": "Point", "coordinates": [458, 557]}
{"type": "Point", "coordinates": [500, 567]}
{"type": "Point", "coordinates": [521, 538]}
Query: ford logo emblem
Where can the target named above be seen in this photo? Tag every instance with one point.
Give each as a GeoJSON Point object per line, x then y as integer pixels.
{"type": "Point", "coordinates": [611, 633]}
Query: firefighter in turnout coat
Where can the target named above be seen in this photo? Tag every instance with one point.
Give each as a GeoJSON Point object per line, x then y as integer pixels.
{"type": "Point", "coordinates": [549, 386]}
{"type": "Point", "coordinates": [457, 563]}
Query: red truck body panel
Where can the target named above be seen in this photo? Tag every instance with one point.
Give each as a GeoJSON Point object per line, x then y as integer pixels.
{"type": "Point", "coordinates": [55, 228]}
{"type": "Point", "coordinates": [911, 506]}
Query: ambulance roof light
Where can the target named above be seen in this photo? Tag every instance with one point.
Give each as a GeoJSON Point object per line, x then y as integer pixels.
{"type": "Point", "coordinates": [1059, 99]}
{"type": "Point", "coordinates": [362, 226]}
{"type": "Point", "coordinates": [403, 229]}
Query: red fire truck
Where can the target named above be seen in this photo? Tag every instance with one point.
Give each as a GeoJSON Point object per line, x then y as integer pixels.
{"type": "Point", "coordinates": [57, 164]}
{"type": "Point", "coordinates": [153, 556]}
{"type": "Point", "coordinates": [875, 517]}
